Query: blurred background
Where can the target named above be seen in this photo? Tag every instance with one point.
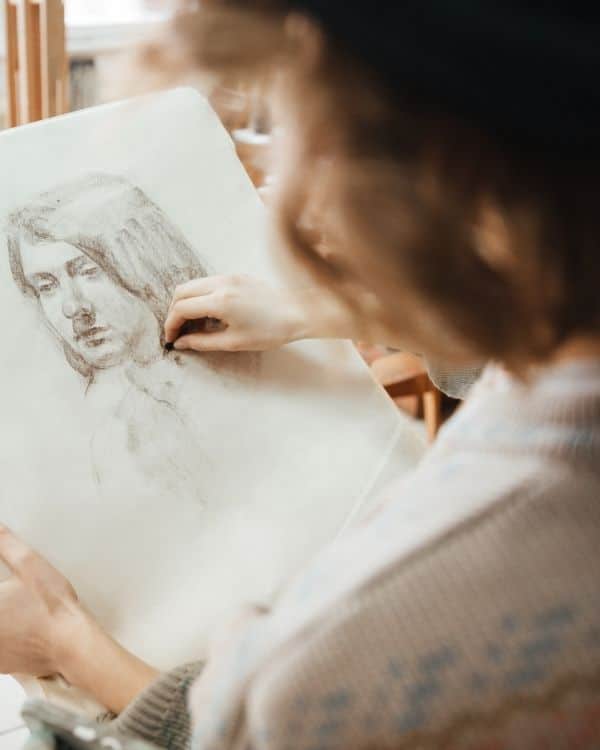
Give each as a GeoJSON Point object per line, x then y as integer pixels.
{"type": "Point", "coordinates": [96, 30]}
{"type": "Point", "coordinates": [100, 40]}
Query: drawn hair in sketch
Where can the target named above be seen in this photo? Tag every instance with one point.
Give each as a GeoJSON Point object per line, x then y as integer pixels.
{"type": "Point", "coordinates": [99, 225]}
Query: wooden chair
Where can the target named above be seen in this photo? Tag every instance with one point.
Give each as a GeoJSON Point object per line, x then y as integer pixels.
{"type": "Point", "coordinates": [404, 376]}
{"type": "Point", "coordinates": [37, 70]}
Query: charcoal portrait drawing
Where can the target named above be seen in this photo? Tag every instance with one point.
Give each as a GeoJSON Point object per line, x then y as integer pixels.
{"type": "Point", "coordinates": [101, 260]}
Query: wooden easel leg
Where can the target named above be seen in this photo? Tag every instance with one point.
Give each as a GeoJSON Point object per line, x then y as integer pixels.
{"type": "Point", "coordinates": [432, 407]}
{"type": "Point", "coordinates": [63, 98]}
{"type": "Point", "coordinates": [54, 69]}
{"type": "Point", "coordinates": [12, 64]}
{"type": "Point", "coordinates": [37, 72]}
{"type": "Point", "coordinates": [28, 29]}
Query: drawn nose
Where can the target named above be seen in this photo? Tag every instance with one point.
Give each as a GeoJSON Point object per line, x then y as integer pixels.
{"type": "Point", "coordinates": [72, 309]}
{"type": "Point", "coordinates": [75, 305]}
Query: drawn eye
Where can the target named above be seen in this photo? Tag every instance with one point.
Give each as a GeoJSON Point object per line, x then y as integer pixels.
{"type": "Point", "coordinates": [46, 287]}
{"type": "Point", "coordinates": [90, 271]}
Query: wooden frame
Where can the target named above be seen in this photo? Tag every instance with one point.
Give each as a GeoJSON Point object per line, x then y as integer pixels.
{"type": "Point", "coordinates": [37, 72]}
{"type": "Point", "coordinates": [403, 375]}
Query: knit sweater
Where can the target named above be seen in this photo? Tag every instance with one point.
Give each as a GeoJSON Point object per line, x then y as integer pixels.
{"type": "Point", "coordinates": [464, 613]}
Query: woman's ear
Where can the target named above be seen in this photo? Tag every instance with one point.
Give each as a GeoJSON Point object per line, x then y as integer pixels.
{"type": "Point", "coordinates": [306, 40]}
{"type": "Point", "coordinates": [493, 238]}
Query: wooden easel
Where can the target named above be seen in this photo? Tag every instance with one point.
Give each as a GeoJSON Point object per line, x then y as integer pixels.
{"type": "Point", "coordinates": [37, 68]}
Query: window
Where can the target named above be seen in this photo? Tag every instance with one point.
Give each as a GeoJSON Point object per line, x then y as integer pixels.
{"type": "Point", "coordinates": [92, 12]}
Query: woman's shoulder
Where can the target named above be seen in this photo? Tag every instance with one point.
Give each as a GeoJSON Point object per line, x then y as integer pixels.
{"type": "Point", "coordinates": [491, 625]}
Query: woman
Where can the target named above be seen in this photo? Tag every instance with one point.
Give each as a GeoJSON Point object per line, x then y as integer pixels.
{"type": "Point", "coordinates": [447, 155]}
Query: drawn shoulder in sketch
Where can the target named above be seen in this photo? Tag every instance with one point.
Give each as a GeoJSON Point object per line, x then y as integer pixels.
{"type": "Point", "coordinates": [102, 261]}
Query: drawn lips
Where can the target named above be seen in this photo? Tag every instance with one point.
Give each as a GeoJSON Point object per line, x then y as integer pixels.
{"type": "Point", "coordinates": [93, 336]}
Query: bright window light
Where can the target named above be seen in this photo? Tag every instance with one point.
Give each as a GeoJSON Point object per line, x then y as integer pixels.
{"type": "Point", "coordinates": [96, 12]}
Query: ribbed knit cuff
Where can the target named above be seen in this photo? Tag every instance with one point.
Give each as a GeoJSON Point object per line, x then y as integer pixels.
{"type": "Point", "coordinates": [453, 382]}
{"type": "Point", "coordinates": [159, 714]}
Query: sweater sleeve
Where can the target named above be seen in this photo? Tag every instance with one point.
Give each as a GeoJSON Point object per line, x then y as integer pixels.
{"type": "Point", "coordinates": [159, 715]}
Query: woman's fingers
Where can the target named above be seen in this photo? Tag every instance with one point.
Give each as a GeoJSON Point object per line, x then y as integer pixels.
{"type": "Point", "coordinates": [192, 308]}
{"type": "Point", "coordinates": [33, 569]}
{"type": "Point", "coordinates": [38, 611]}
{"type": "Point", "coordinates": [14, 552]}
{"type": "Point", "coordinates": [249, 314]}
{"type": "Point", "coordinates": [193, 288]}
{"type": "Point", "coordinates": [197, 287]}
{"type": "Point", "coordinates": [207, 342]}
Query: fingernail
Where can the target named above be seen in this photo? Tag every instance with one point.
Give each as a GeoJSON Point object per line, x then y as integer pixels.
{"type": "Point", "coordinates": [178, 345]}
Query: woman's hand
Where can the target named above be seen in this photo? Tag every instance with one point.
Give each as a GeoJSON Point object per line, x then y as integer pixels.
{"type": "Point", "coordinates": [44, 631]}
{"type": "Point", "coordinates": [253, 315]}
{"type": "Point", "coordinates": [39, 611]}
{"type": "Point", "coordinates": [240, 313]}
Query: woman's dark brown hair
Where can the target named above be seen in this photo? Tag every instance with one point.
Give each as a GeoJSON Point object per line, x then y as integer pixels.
{"type": "Point", "coordinates": [477, 243]}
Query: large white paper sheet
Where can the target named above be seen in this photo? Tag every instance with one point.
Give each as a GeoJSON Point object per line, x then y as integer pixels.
{"type": "Point", "coordinates": [11, 723]}
{"type": "Point", "coordinates": [168, 488]}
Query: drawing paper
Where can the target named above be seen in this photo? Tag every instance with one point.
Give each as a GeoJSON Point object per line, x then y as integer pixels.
{"type": "Point", "coordinates": [169, 488]}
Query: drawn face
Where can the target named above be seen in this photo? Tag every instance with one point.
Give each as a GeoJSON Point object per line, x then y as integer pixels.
{"type": "Point", "coordinates": [99, 320]}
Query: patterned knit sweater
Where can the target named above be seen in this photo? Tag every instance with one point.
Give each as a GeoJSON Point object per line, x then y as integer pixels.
{"type": "Point", "coordinates": [463, 614]}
